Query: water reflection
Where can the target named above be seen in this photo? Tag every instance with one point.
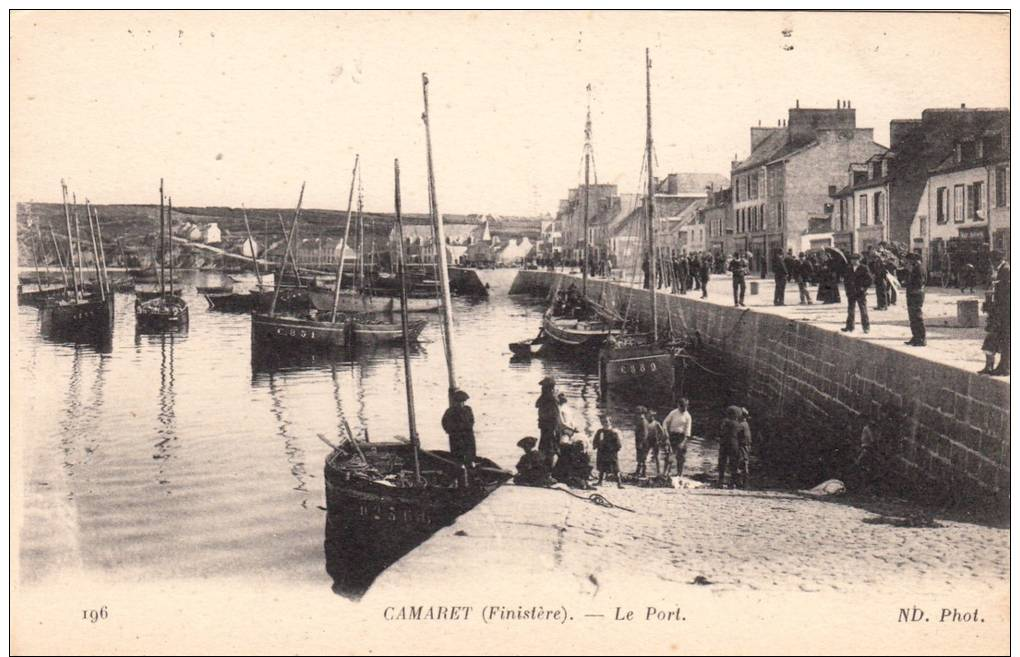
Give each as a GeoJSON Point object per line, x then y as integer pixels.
{"type": "Point", "coordinates": [185, 413]}
{"type": "Point", "coordinates": [97, 340]}
{"type": "Point", "coordinates": [295, 456]}
{"type": "Point", "coordinates": [166, 431]}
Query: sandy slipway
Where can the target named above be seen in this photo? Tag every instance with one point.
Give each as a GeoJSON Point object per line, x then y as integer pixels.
{"type": "Point", "coordinates": [713, 540]}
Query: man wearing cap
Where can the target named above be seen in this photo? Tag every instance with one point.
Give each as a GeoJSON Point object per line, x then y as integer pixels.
{"type": "Point", "coordinates": [738, 266]}
{"type": "Point", "coordinates": [915, 300]}
{"type": "Point", "coordinates": [531, 469]}
{"type": "Point", "coordinates": [548, 420]}
{"type": "Point", "coordinates": [459, 424]}
{"type": "Point", "coordinates": [857, 282]}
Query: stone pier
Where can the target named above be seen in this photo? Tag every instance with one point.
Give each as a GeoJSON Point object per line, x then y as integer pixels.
{"type": "Point", "coordinates": [810, 387]}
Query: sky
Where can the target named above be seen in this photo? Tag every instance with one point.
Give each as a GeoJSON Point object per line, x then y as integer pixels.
{"type": "Point", "coordinates": [237, 108]}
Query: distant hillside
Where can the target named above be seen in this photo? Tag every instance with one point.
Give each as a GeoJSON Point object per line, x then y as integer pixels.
{"type": "Point", "coordinates": [130, 229]}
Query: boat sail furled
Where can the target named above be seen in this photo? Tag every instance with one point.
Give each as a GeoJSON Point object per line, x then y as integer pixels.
{"type": "Point", "coordinates": [80, 314]}
{"type": "Point", "coordinates": [384, 499]}
{"type": "Point", "coordinates": [167, 310]}
{"type": "Point", "coordinates": [641, 362]}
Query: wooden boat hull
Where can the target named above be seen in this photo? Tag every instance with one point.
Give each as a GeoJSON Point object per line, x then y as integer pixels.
{"type": "Point", "coordinates": [565, 333]}
{"type": "Point", "coordinates": [644, 369]}
{"type": "Point", "coordinates": [292, 333]}
{"type": "Point", "coordinates": [370, 525]}
{"type": "Point", "coordinates": [385, 332]}
{"type": "Point", "coordinates": [172, 314]}
{"type": "Point", "coordinates": [232, 302]}
{"type": "Point", "coordinates": [91, 317]}
{"type": "Point", "coordinates": [39, 298]}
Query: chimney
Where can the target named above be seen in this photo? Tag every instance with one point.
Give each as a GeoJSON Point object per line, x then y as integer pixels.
{"type": "Point", "coordinates": [798, 103]}
{"type": "Point", "coordinates": [963, 105]}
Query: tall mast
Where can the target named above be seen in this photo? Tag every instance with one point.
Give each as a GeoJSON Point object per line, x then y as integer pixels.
{"type": "Point", "coordinates": [587, 166]}
{"type": "Point", "coordinates": [162, 283]}
{"type": "Point", "coordinates": [36, 248]}
{"type": "Point", "coordinates": [251, 245]}
{"type": "Point", "coordinates": [95, 252]}
{"type": "Point", "coordinates": [440, 240]}
{"type": "Point", "coordinates": [290, 236]}
{"type": "Point", "coordinates": [652, 258]}
{"type": "Point", "coordinates": [60, 258]}
{"type": "Point", "coordinates": [170, 239]}
{"type": "Point", "coordinates": [70, 243]}
{"type": "Point", "coordinates": [102, 251]}
{"type": "Point", "coordinates": [77, 241]}
{"type": "Point", "coordinates": [288, 253]}
{"type": "Point", "coordinates": [343, 242]}
{"type": "Point", "coordinates": [361, 239]}
{"type": "Point", "coordinates": [411, 425]}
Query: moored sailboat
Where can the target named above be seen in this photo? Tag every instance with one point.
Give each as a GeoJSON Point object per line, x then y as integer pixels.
{"type": "Point", "coordinates": [293, 332]}
{"type": "Point", "coordinates": [80, 314]}
{"type": "Point", "coordinates": [584, 325]}
{"type": "Point", "coordinates": [167, 310]}
{"type": "Point", "coordinates": [641, 361]}
{"type": "Point", "coordinates": [384, 499]}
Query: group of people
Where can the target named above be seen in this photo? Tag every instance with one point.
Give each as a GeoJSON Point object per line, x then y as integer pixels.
{"type": "Point", "coordinates": [559, 456]}
{"type": "Point", "coordinates": [680, 272]}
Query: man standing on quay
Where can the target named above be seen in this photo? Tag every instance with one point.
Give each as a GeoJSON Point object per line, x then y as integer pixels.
{"type": "Point", "coordinates": [915, 300]}
{"type": "Point", "coordinates": [858, 280]}
{"type": "Point", "coordinates": [739, 268]}
{"type": "Point", "coordinates": [780, 273]}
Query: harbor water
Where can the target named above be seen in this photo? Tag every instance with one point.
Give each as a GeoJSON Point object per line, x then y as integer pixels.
{"type": "Point", "coordinates": [175, 455]}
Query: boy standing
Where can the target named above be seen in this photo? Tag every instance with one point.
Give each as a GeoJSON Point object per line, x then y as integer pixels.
{"type": "Point", "coordinates": [607, 451]}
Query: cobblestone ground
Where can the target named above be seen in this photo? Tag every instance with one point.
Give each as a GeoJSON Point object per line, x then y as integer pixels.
{"type": "Point", "coordinates": [947, 342]}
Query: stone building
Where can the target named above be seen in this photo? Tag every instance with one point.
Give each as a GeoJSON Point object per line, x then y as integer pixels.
{"type": "Point", "coordinates": [786, 178]}
{"type": "Point", "coordinates": [884, 194]}
{"type": "Point", "coordinates": [966, 198]}
{"type": "Point", "coordinates": [717, 217]}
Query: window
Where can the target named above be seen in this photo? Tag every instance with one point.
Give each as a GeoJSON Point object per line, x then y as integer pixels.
{"type": "Point", "coordinates": [974, 201]}
{"type": "Point", "coordinates": [1001, 187]}
{"type": "Point", "coordinates": [753, 179]}
{"type": "Point", "coordinates": [958, 195]}
{"type": "Point", "coordinates": [878, 208]}
{"type": "Point", "coordinates": [779, 214]}
{"type": "Point", "coordinates": [941, 205]}
{"type": "Point", "coordinates": [862, 208]}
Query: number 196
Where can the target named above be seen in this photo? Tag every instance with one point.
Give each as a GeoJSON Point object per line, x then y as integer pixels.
{"type": "Point", "coordinates": [95, 615]}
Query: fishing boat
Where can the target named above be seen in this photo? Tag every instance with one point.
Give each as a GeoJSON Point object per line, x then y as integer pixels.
{"type": "Point", "coordinates": [642, 362]}
{"type": "Point", "coordinates": [385, 498]}
{"type": "Point", "coordinates": [80, 312]}
{"type": "Point", "coordinates": [583, 325]}
{"type": "Point", "coordinates": [367, 330]}
{"type": "Point", "coordinates": [300, 331]}
{"type": "Point", "coordinates": [165, 310]}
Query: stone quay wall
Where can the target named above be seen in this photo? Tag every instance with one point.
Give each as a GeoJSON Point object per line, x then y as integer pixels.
{"type": "Point", "coordinates": [810, 391]}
